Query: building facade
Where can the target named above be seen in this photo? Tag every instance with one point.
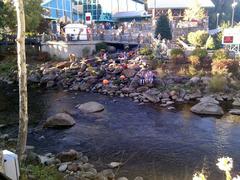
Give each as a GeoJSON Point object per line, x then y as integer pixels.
{"type": "Point", "coordinates": [75, 10]}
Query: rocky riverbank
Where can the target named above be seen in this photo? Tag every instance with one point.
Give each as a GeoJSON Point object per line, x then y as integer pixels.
{"type": "Point", "coordinates": [129, 78]}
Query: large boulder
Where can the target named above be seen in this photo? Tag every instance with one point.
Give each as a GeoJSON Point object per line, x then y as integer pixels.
{"type": "Point", "coordinates": [151, 97]}
{"type": "Point", "coordinates": [59, 120]}
{"type": "Point", "coordinates": [207, 108]}
{"type": "Point", "coordinates": [209, 99]}
{"type": "Point", "coordinates": [235, 111]}
{"type": "Point", "coordinates": [68, 156]}
{"type": "Point", "coordinates": [236, 102]}
{"type": "Point", "coordinates": [91, 107]}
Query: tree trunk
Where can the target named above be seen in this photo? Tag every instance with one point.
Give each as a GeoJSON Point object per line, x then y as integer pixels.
{"type": "Point", "coordinates": [22, 78]}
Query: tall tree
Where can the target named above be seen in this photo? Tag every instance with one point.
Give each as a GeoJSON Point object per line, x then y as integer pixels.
{"type": "Point", "coordinates": [224, 8]}
{"type": "Point", "coordinates": [33, 11]}
{"type": "Point", "coordinates": [163, 28]}
{"type": "Point", "coordinates": [22, 80]}
{"type": "Point", "coordinates": [195, 11]}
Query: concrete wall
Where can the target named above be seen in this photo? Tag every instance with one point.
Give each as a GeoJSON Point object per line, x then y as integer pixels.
{"type": "Point", "coordinates": [63, 49]}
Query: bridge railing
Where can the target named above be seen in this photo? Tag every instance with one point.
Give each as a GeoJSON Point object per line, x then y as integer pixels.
{"type": "Point", "coordinates": [109, 37]}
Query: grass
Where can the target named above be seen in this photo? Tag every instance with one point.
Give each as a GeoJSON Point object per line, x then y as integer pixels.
{"type": "Point", "coordinates": [217, 83]}
{"type": "Point", "coordinates": [40, 172]}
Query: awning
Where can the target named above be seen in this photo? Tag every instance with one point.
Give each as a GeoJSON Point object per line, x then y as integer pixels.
{"type": "Point", "coordinates": [178, 4]}
{"type": "Point", "coordinates": [131, 14]}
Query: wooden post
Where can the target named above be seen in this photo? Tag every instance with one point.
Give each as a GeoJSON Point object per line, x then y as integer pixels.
{"type": "Point", "coordinates": [22, 78]}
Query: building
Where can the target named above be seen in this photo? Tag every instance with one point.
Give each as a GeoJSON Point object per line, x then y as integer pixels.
{"type": "Point", "coordinates": [75, 10]}
{"type": "Point", "coordinates": [175, 10]}
{"type": "Point", "coordinates": [71, 10]}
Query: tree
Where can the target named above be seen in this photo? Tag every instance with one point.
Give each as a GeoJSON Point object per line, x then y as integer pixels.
{"type": "Point", "coordinates": [195, 12]}
{"type": "Point", "coordinates": [22, 80]}
{"type": "Point", "coordinates": [8, 16]}
{"type": "Point", "coordinates": [33, 17]}
{"type": "Point", "coordinates": [210, 44]}
{"type": "Point", "coordinates": [163, 28]}
{"type": "Point", "coordinates": [198, 38]}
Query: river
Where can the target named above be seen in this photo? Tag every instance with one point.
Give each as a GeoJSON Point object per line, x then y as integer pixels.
{"type": "Point", "coordinates": [153, 142]}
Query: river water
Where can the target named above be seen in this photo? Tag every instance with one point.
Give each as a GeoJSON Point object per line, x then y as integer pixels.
{"type": "Point", "coordinates": [154, 143]}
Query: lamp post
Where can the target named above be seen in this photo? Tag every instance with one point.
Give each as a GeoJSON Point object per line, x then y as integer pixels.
{"type": "Point", "coordinates": [217, 19]}
{"type": "Point", "coordinates": [234, 4]}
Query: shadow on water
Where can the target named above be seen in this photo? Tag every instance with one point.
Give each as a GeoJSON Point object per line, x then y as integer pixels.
{"type": "Point", "coordinates": [154, 143]}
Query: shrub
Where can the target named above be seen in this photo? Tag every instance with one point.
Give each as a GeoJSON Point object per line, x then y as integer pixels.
{"type": "Point", "coordinates": [211, 44]}
{"type": "Point", "coordinates": [163, 28]}
{"type": "Point", "coordinates": [226, 66]}
{"type": "Point", "coordinates": [145, 51]}
{"type": "Point", "coordinates": [194, 60]}
{"type": "Point", "coordinates": [85, 52]}
{"type": "Point", "coordinates": [175, 53]}
{"type": "Point", "coordinates": [192, 71]}
{"type": "Point", "coordinates": [198, 38]}
{"type": "Point", "coordinates": [217, 83]}
{"type": "Point", "coordinates": [220, 54]}
{"type": "Point", "coordinates": [177, 56]}
{"type": "Point", "coordinates": [201, 53]}
{"type": "Point", "coordinates": [101, 46]}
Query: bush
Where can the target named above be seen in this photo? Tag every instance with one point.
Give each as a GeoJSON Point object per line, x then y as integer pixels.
{"type": "Point", "coordinates": [201, 53]}
{"type": "Point", "coordinates": [226, 66]}
{"type": "Point", "coordinates": [85, 52]}
{"type": "Point", "coordinates": [194, 60]}
{"type": "Point", "coordinates": [198, 38]}
{"type": "Point", "coordinates": [101, 46]}
{"type": "Point", "coordinates": [163, 28]}
{"type": "Point", "coordinates": [217, 83]}
{"type": "Point", "coordinates": [220, 54]}
{"type": "Point", "coordinates": [211, 44]}
{"type": "Point", "coordinates": [178, 56]}
{"type": "Point", "coordinates": [145, 51]}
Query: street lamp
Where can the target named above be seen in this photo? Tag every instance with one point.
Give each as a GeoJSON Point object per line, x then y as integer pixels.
{"type": "Point", "coordinates": [217, 19]}
{"type": "Point", "coordinates": [234, 4]}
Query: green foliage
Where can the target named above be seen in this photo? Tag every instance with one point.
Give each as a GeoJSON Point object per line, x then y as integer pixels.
{"type": "Point", "coordinates": [33, 11]}
{"type": "Point", "coordinates": [175, 53]}
{"type": "Point", "coordinates": [7, 17]}
{"type": "Point", "coordinates": [195, 12]}
{"type": "Point", "coordinates": [220, 54]}
{"type": "Point", "coordinates": [223, 7]}
{"type": "Point", "coordinates": [217, 83]}
{"type": "Point", "coordinates": [177, 56]}
{"type": "Point", "coordinates": [210, 44]}
{"type": "Point", "coordinates": [201, 53]}
{"type": "Point", "coordinates": [146, 51]}
{"type": "Point", "coordinates": [41, 173]}
{"type": "Point", "coordinates": [7, 68]}
{"type": "Point", "coordinates": [101, 46]}
{"type": "Point", "coordinates": [163, 28]}
{"type": "Point", "coordinates": [198, 38]}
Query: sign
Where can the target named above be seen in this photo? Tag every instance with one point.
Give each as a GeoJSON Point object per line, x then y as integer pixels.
{"type": "Point", "coordinates": [231, 36]}
{"type": "Point", "coordinates": [88, 18]}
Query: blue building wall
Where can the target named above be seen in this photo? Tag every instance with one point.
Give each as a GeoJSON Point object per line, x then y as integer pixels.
{"type": "Point", "coordinates": [60, 8]}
